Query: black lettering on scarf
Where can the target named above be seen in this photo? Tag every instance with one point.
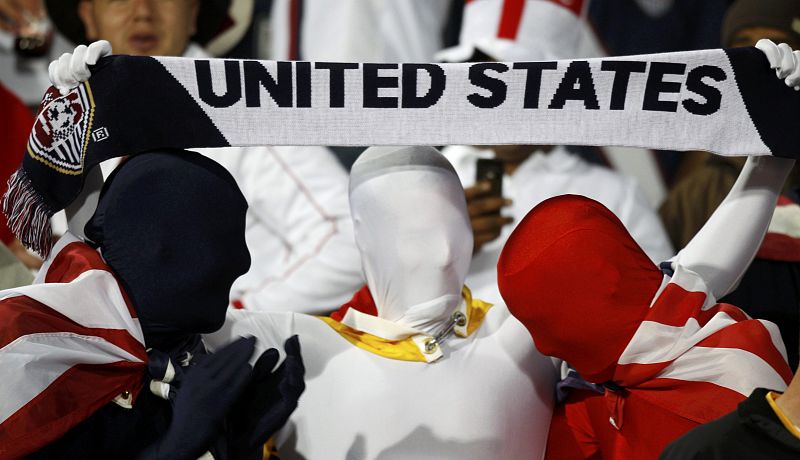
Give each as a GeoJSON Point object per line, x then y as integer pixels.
{"type": "Point", "coordinates": [578, 73]}
{"type": "Point", "coordinates": [497, 87]}
{"type": "Point", "coordinates": [657, 86]}
{"type": "Point", "coordinates": [336, 80]}
{"type": "Point", "coordinates": [303, 83]}
{"type": "Point", "coordinates": [409, 92]}
{"type": "Point", "coordinates": [373, 83]}
{"type": "Point", "coordinates": [695, 84]}
{"type": "Point", "coordinates": [533, 80]}
{"type": "Point", "coordinates": [622, 76]}
{"type": "Point", "coordinates": [233, 85]}
{"type": "Point", "coordinates": [256, 77]}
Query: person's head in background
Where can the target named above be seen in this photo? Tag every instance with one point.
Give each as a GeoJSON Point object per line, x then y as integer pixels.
{"type": "Point", "coordinates": [528, 30]}
{"type": "Point", "coordinates": [748, 21]}
{"type": "Point", "coordinates": [150, 27]}
{"type": "Point", "coordinates": [141, 27]}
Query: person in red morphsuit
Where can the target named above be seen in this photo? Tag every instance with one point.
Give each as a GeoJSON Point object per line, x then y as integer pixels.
{"type": "Point", "coordinates": [667, 356]}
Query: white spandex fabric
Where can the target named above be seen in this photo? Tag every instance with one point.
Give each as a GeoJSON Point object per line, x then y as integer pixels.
{"type": "Point", "coordinates": [414, 269]}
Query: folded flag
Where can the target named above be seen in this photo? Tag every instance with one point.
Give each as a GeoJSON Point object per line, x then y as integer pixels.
{"type": "Point", "coordinates": [88, 343]}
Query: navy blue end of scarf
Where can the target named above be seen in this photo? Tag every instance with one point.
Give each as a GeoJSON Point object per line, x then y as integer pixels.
{"type": "Point", "coordinates": [130, 105]}
{"type": "Point", "coordinates": [773, 107]}
{"type": "Point", "coordinates": [143, 107]}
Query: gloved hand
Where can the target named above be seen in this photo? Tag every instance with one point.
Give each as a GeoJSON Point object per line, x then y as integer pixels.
{"type": "Point", "coordinates": [71, 69]}
{"type": "Point", "coordinates": [268, 401]}
{"type": "Point", "coordinates": [205, 399]}
{"type": "Point", "coordinates": [785, 61]}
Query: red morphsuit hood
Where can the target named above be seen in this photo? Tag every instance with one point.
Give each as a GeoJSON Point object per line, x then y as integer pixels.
{"type": "Point", "coordinates": [573, 275]}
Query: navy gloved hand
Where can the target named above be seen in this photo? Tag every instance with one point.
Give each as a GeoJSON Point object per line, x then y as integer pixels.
{"type": "Point", "coordinates": [269, 399]}
{"type": "Point", "coordinates": [205, 398]}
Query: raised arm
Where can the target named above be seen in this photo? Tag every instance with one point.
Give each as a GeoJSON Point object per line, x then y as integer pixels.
{"type": "Point", "coordinates": [723, 249]}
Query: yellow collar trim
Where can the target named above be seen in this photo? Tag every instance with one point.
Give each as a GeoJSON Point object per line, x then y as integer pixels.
{"type": "Point", "coordinates": [416, 347]}
{"type": "Point", "coordinates": [794, 429]}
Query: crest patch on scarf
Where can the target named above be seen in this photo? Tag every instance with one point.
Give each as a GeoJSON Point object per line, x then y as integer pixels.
{"type": "Point", "coordinates": [62, 129]}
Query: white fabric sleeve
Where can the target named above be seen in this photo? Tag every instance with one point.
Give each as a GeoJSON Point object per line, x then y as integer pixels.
{"type": "Point", "coordinates": [304, 200]}
{"type": "Point", "coordinates": [397, 31]}
{"type": "Point", "coordinates": [280, 30]}
{"type": "Point", "coordinates": [299, 230]}
{"type": "Point", "coordinates": [722, 250]}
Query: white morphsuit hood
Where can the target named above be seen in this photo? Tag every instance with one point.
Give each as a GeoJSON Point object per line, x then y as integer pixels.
{"type": "Point", "coordinates": [412, 228]}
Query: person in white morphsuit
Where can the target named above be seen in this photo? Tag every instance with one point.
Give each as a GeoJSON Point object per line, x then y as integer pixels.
{"type": "Point", "coordinates": [430, 372]}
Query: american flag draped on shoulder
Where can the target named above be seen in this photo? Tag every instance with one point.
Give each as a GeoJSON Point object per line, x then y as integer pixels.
{"type": "Point", "coordinates": [724, 101]}
{"type": "Point", "coordinates": [88, 348]}
{"type": "Point", "coordinates": [690, 344]}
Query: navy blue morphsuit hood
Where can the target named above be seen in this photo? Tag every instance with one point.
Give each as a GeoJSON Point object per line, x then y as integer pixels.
{"type": "Point", "coordinates": [171, 225]}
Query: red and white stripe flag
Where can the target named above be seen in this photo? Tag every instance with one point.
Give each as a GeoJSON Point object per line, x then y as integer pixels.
{"type": "Point", "coordinates": [713, 352]}
{"type": "Point", "coordinates": [69, 344]}
{"type": "Point", "coordinates": [782, 241]}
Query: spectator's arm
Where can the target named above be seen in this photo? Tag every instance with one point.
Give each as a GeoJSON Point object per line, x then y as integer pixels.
{"type": "Point", "coordinates": [300, 194]}
{"type": "Point", "coordinates": [723, 249]}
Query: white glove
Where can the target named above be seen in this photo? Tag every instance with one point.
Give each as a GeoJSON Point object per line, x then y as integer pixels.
{"type": "Point", "coordinates": [71, 69]}
{"type": "Point", "coordinates": [785, 61]}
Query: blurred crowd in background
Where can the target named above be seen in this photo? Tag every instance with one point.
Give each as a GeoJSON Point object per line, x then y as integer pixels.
{"type": "Point", "coordinates": [298, 227]}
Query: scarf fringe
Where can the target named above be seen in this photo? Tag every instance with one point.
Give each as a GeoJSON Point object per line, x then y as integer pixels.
{"type": "Point", "coordinates": [27, 213]}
